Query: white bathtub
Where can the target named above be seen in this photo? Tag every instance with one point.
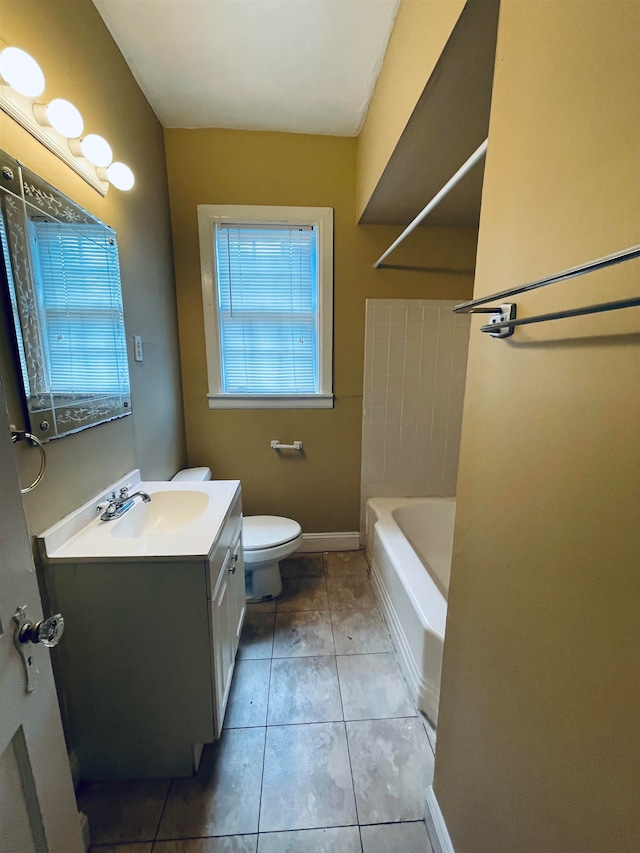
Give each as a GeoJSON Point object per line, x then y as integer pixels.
{"type": "Point", "coordinates": [408, 546]}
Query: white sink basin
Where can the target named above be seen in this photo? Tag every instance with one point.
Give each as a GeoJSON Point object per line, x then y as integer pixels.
{"type": "Point", "coordinates": [180, 521]}
{"type": "Point", "coordinates": [165, 514]}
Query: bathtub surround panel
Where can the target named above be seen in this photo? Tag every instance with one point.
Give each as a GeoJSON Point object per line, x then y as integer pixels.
{"type": "Point", "coordinates": [81, 62]}
{"type": "Point", "coordinates": [414, 381]}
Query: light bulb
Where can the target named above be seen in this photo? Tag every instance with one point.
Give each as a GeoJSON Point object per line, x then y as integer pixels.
{"type": "Point", "coordinates": [21, 72]}
{"type": "Point", "coordinates": [96, 149]}
{"type": "Point", "coordinates": [60, 115]}
{"type": "Point", "coordinates": [120, 176]}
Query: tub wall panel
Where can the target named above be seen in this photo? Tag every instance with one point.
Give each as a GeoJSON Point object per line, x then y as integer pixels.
{"type": "Point", "coordinates": [414, 381]}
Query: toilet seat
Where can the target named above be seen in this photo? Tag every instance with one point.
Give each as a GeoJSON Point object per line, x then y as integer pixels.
{"type": "Point", "coordinates": [268, 531]}
{"type": "Point", "coordinates": [269, 538]}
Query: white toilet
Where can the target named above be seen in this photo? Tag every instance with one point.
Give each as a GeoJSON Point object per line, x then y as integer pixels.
{"type": "Point", "coordinates": [266, 539]}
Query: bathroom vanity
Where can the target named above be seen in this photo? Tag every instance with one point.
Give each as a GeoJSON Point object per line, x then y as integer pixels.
{"type": "Point", "coordinates": [153, 605]}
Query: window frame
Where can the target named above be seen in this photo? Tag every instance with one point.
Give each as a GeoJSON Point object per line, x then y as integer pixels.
{"type": "Point", "coordinates": [322, 219]}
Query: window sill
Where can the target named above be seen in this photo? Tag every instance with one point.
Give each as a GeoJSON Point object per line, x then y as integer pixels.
{"type": "Point", "coordinates": [255, 401]}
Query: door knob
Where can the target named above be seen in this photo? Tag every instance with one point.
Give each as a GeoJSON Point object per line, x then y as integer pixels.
{"type": "Point", "coordinates": [48, 631]}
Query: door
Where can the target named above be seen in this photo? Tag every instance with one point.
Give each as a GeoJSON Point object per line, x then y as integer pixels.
{"type": "Point", "coordinates": [38, 812]}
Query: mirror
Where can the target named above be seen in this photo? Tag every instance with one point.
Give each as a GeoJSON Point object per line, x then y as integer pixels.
{"type": "Point", "coordinates": [61, 270]}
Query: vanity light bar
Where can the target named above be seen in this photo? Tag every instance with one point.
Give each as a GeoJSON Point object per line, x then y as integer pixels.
{"type": "Point", "coordinates": [58, 125]}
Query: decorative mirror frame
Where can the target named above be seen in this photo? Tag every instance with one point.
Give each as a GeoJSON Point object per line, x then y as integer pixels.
{"type": "Point", "coordinates": [51, 415]}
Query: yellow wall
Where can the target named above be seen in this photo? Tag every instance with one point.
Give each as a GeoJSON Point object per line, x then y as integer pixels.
{"type": "Point", "coordinates": [81, 62]}
{"type": "Point", "coordinates": [320, 490]}
{"type": "Point", "coordinates": [538, 739]}
{"type": "Point", "coordinates": [420, 32]}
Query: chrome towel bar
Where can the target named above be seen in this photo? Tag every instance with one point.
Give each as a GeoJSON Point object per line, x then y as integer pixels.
{"type": "Point", "coordinates": [504, 316]}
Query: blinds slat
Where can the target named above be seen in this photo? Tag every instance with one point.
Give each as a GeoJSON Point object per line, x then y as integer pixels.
{"type": "Point", "coordinates": [78, 286]}
{"type": "Point", "coordinates": [267, 289]}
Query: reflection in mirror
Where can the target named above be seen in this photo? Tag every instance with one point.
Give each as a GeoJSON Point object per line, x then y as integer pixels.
{"type": "Point", "coordinates": [62, 273]}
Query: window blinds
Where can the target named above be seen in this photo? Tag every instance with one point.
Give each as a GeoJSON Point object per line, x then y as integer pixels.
{"type": "Point", "coordinates": [78, 283]}
{"type": "Point", "coordinates": [267, 289]}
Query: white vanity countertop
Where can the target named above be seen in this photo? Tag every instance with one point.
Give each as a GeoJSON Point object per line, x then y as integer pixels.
{"type": "Point", "coordinates": [83, 537]}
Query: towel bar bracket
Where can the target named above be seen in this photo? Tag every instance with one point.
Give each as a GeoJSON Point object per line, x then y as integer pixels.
{"type": "Point", "coordinates": [499, 314]}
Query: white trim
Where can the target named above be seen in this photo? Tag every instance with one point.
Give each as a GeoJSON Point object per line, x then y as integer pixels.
{"type": "Point", "coordinates": [322, 219]}
{"type": "Point", "coordinates": [293, 401]}
{"type": "Point", "coordinates": [348, 541]}
{"type": "Point", "coordinates": [436, 826]}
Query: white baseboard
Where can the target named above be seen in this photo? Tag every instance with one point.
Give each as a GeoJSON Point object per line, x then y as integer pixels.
{"type": "Point", "coordinates": [348, 541]}
{"type": "Point", "coordinates": [436, 827]}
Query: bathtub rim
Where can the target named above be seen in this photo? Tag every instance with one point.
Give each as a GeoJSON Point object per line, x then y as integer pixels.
{"type": "Point", "coordinates": [400, 549]}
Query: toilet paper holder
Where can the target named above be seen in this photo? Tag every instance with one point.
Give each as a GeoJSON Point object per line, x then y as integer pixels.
{"type": "Point", "coordinates": [297, 445]}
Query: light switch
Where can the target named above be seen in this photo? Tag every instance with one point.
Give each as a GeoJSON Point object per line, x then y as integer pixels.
{"type": "Point", "coordinates": [137, 348]}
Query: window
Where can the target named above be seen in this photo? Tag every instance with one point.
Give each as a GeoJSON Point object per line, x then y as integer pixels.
{"type": "Point", "coordinates": [267, 280]}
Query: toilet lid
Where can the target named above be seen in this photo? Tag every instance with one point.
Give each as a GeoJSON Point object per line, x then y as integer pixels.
{"type": "Point", "coordinates": [267, 531]}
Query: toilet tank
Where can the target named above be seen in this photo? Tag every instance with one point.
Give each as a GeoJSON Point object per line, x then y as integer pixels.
{"type": "Point", "coordinates": [193, 474]}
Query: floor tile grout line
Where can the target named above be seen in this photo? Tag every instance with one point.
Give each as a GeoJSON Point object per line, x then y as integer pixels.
{"type": "Point", "coordinates": [353, 784]}
{"type": "Point", "coordinates": [322, 723]}
{"type": "Point", "coordinates": [264, 752]}
{"type": "Point", "coordinates": [162, 811]}
{"type": "Point", "coordinates": [333, 643]}
{"type": "Point", "coordinates": [346, 738]}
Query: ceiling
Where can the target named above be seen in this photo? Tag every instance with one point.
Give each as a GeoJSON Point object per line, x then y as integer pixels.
{"type": "Point", "coordinates": [310, 66]}
{"type": "Point", "coordinates": [303, 66]}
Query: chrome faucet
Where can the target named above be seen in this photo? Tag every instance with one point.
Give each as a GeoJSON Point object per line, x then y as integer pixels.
{"type": "Point", "coordinates": [116, 507]}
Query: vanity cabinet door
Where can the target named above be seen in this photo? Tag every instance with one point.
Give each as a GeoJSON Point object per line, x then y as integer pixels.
{"type": "Point", "coordinates": [228, 605]}
{"type": "Point", "coordinates": [238, 597]}
{"type": "Point", "coordinates": [223, 646]}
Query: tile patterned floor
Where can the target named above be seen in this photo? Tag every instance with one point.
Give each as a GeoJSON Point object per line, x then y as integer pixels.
{"type": "Point", "coordinates": [322, 750]}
